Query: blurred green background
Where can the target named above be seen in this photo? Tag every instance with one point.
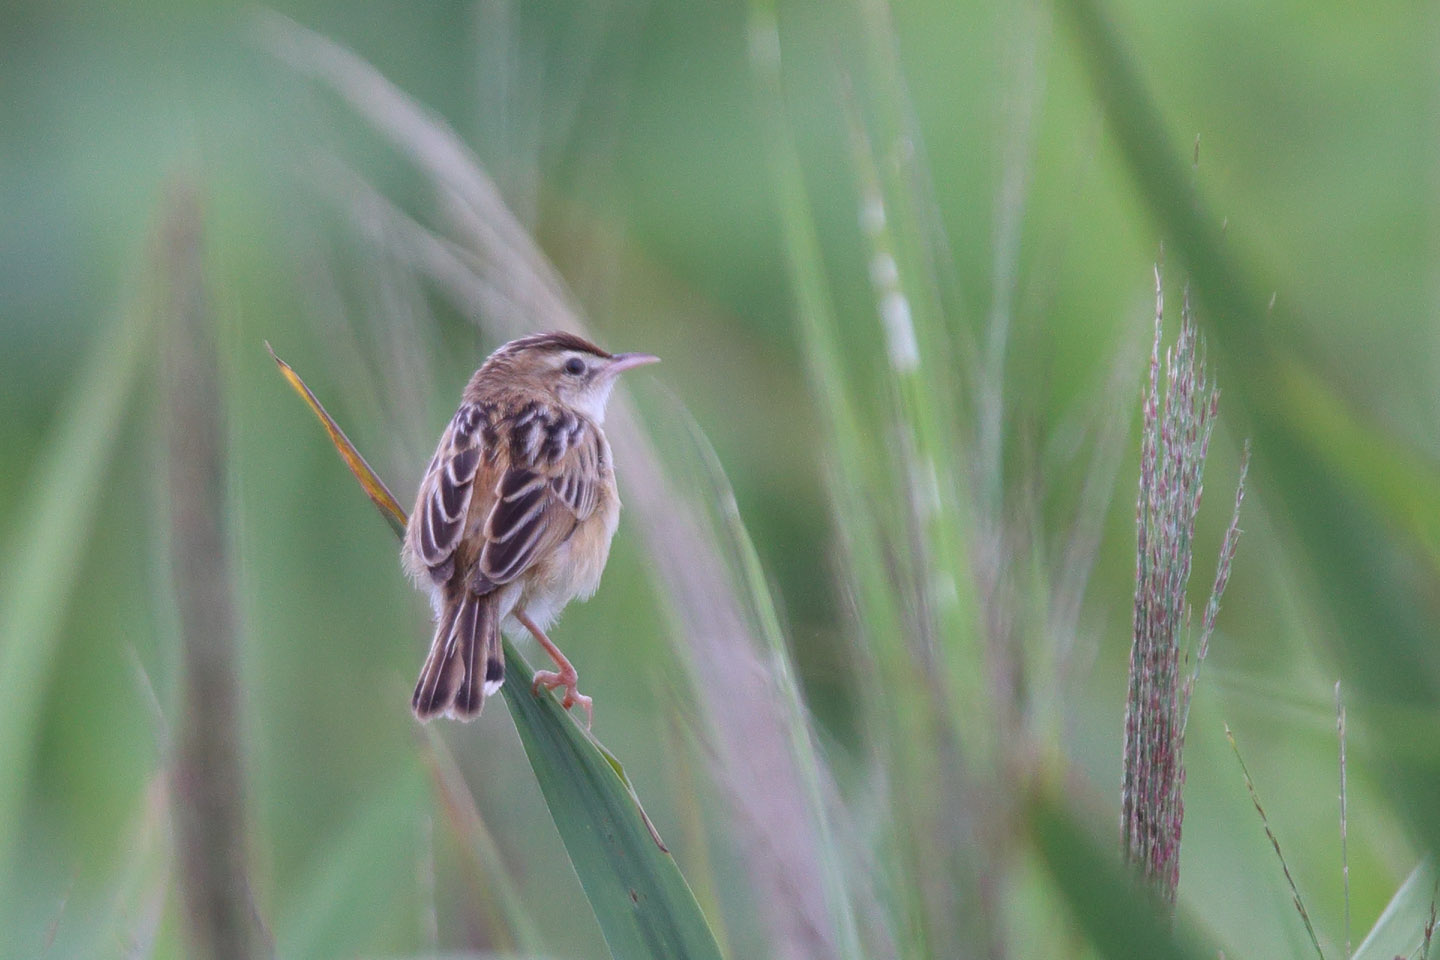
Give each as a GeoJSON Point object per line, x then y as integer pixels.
{"type": "Point", "coordinates": [628, 137]}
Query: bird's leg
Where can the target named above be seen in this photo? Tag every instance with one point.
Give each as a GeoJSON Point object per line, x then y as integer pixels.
{"type": "Point", "coordinates": [549, 679]}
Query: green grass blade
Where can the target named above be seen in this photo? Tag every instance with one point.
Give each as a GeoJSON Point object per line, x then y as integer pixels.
{"type": "Point", "coordinates": [643, 904]}
{"type": "Point", "coordinates": [641, 901]}
{"type": "Point", "coordinates": [930, 460]}
{"type": "Point", "coordinates": [1118, 915]}
{"type": "Point", "coordinates": [858, 496]}
{"type": "Point", "coordinates": [43, 559]}
{"type": "Point", "coordinates": [1295, 897]}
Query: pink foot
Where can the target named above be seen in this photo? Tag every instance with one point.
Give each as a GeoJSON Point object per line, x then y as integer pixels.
{"type": "Point", "coordinates": [568, 679]}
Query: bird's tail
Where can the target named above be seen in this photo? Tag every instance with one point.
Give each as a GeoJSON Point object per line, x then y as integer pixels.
{"type": "Point", "coordinates": [465, 664]}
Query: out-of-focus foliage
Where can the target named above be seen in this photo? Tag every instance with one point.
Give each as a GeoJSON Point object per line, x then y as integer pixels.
{"type": "Point", "coordinates": [638, 142]}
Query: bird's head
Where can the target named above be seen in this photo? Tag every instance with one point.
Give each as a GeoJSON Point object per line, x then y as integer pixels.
{"type": "Point", "coordinates": [573, 370]}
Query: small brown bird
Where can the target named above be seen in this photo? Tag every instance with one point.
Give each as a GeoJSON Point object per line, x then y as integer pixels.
{"type": "Point", "coordinates": [514, 516]}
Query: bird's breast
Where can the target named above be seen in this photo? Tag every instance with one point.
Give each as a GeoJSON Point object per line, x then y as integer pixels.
{"type": "Point", "coordinates": [575, 568]}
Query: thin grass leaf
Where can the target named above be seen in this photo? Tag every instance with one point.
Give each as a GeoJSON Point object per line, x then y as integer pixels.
{"type": "Point", "coordinates": [812, 773]}
{"type": "Point", "coordinates": [932, 481]}
{"type": "Point", "coordinates": [41, 562]}
{"type": "Point", "coordinates": [1344, 817]}
{"type": "Point", "coordinates": [640, 899]}
{"type": "Point", "coordinates": [1275, 843]}
{"type": "Point", "coordinates": [902, 238]}
{"type": "Point", "coordinates": [859, 499]}
{"type": "Point", "coordinates": [1400, 930]}
{"type": "Point", "coordinates": [370, 482]}
{"type": "Point", "coordinates": [905, 532]}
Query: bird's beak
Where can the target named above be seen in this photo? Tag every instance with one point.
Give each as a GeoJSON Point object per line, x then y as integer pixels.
{"type": "Point", "coordinates": [621, 362]}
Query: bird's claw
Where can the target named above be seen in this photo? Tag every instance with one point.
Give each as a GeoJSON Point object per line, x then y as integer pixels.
{"type": "Point", "coordinates": [549, 679]}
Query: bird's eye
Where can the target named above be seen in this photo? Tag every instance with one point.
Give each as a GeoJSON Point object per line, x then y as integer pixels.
{"type": "Point", "coordinates": [575, 366]}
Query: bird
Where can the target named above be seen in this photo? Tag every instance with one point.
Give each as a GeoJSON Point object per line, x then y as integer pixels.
{"type": "Point", "coordinates": [514, 516]}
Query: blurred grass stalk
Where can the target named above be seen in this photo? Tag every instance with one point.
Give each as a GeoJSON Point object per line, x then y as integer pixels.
{"type": "Point", "coordinates": [43, 558]}
{"type": "Point", "coordinates": [208, 770]}
{"type": "Point", "coordinates": [491, 884]}
{"type": "Point", "coordinates": [941, 689]}
{"type": "Point", "coordinates": [1175, 440]}
{"type": "Point", "coordinates": [902, 690]}
{"type": "Point", "coordinates": [495, 273]}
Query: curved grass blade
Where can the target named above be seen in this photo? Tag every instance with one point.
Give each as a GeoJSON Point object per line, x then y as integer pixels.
{"type": "Point", "coordinates": [1295, 897]}
{"type": "Point", "coordinates": [1400, 929]}
{"type": "Point", "coordinates": [43, 559]}
{"type": "Point", "coordinates": [732, 530]}
{"type": "Point", "coordinates": [373, 486]}
{"type": "Point", "coordinates": [641, 901]}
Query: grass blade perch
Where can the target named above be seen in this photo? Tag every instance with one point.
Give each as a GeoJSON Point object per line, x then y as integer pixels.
{"type": "Point", "coordinates": [642, 902]}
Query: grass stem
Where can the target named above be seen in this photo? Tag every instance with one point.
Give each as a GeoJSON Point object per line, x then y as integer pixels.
{"type": "Point", "coordinates": [1344, 818]}
{"type": "Point", "coordinates": [209, 777]}
{"type": "Point", "coordinates": [1275, 843]}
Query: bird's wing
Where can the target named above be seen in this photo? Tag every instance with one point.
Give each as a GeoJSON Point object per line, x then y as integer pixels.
{"type": "Point", "coordinates": [551, 482]}
{"type": "Point", "coordinates": [443, 503]}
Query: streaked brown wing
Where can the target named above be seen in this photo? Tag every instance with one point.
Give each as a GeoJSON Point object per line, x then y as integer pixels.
{"type": "Point", "coordinates": [550, 486]}
{"type": "Point", "coordinates": [438, 523]}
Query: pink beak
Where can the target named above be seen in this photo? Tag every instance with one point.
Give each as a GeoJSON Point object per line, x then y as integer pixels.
{"type": "Point", "coordinates": [621, 362]}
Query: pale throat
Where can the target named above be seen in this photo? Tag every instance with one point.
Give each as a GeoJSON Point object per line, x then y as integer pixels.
{"type": "Point", "coordinates": [592, 401]}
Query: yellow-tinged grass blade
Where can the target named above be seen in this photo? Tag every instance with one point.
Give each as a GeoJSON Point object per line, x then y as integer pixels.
{"type": "Point", "coordinates": [42, 560]}
{"type": "Point", "coordinates": [640, 899]}
{"type": "Point", "coordinates": [370, 482]}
